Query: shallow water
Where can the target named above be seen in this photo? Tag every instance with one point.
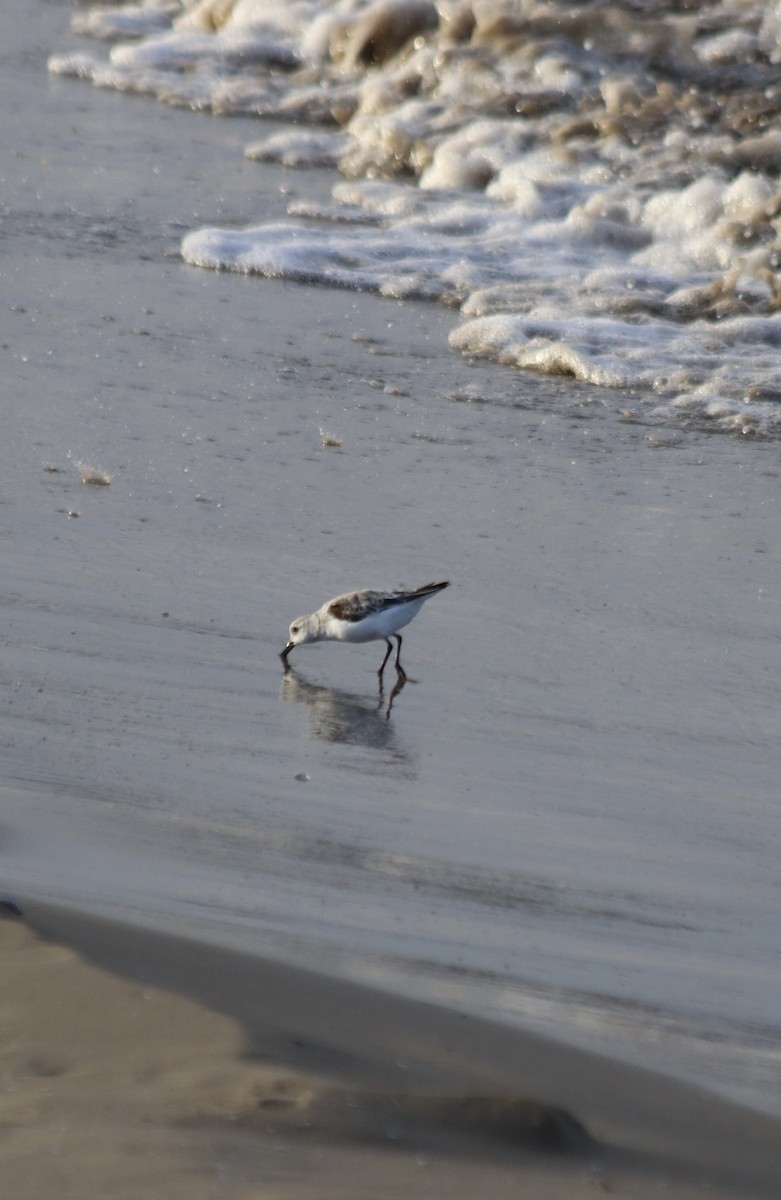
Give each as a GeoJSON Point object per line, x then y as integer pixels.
{"type": "Point", "coordinates": [596, 187]}
{"type": "Point", "coordinates": [569, 815]}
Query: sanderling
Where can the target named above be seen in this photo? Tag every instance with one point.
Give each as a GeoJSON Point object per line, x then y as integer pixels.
{"type": "Point", "coordinates": [362, 617]}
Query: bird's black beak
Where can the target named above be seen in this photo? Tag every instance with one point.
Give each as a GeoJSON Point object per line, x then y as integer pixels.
{"type": "Point", "coordinates": [286, 651]}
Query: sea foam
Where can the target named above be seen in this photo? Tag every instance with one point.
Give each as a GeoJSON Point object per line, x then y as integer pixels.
{"type": "Point", "coordinates": [617, 169]}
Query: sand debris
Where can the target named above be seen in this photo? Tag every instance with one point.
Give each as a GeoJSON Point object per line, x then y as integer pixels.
{"type": "Point", "coordinates": [93, 475]}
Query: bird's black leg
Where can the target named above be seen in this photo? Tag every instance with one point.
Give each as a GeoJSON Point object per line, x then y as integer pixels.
{"type": "Point", "coordinates": [387, 656]}
{"type": "Point", "coordinates": [399, 668]}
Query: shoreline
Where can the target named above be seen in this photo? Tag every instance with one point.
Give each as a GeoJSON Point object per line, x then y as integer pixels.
{"type": "Point", "coordinates": [161, 767]}
{"type": "Point", "coordinates": [350, 1080]}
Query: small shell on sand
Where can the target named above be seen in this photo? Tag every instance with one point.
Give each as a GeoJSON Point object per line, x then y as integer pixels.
{"type": "Point", "coordinates": [328, 439]}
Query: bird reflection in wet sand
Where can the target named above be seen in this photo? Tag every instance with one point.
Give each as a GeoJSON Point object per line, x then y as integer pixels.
{"type": "Point", "coordinates": [343, 717]}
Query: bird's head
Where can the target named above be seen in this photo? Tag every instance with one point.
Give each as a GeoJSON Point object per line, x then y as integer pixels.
{"type": "Point", "coordinates": [301, 631]}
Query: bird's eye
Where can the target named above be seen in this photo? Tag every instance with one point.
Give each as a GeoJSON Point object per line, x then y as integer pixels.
{"type": "Point", "coordinates": [294, 628]}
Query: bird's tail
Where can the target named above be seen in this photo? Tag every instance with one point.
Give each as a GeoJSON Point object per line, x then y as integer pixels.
{"type": "Point", "coordinates": [429, 589]}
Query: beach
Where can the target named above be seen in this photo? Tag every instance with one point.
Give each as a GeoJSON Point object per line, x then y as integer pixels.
{"type": "Point", "coordinates": [142, 1065]}
{"type": "Point", "coordinates": [536, 892]}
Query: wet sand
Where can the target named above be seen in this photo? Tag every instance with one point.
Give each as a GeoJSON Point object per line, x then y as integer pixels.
{"type": "Point", "coordinates": [138, 1065]}
{"type": "Point", "coordinates": [558, 808]}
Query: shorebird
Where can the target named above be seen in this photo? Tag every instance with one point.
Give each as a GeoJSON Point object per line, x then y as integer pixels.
{"type": "Point", "coordinates": [362, 617]}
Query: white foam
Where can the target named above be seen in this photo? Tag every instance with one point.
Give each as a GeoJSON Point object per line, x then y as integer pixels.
{"type": "Point", "coordinates": [746, 196]}
{"type": "Point", "coordinates": [728, 46]}
{"type": "Point", "coordinates": [514, 168]}
{"type": "Point", "coordinates": [168, 51]}
{"type": "Point", "coordinates": [129, 21]}
{"type": "Point", "coordinates": [298, 149]}
{"type": "Point", "coordinates": [278, 251]}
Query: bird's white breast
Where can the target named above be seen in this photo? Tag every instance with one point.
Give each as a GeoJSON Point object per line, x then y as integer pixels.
{"type": "Point", "coordinates": [381, 624]}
